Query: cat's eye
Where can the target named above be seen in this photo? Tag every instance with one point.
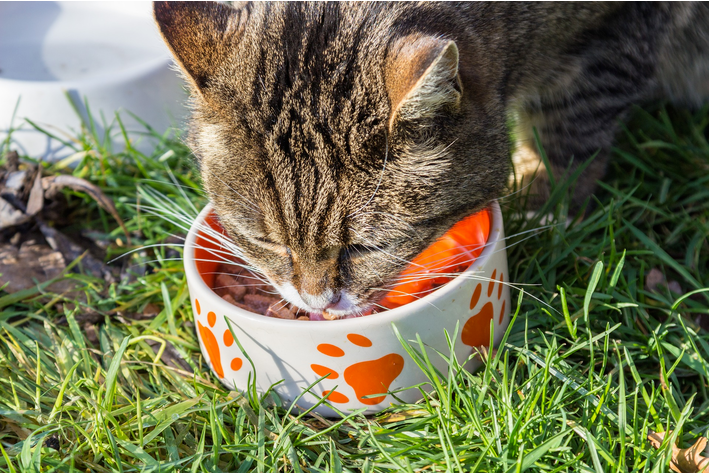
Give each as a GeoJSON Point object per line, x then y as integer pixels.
{"type": "Point", "coordinates": [354, 251]}
{"type": "Point", "coordinates": [266, 241]}
{"type": "Point", "coordinates": [277, 247]}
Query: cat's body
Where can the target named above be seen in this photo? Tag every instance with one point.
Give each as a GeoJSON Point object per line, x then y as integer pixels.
{"type": "Point", "coordinates": [337, 141]}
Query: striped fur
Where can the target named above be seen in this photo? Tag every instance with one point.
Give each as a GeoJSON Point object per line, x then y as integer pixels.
{"type": "Point", "coordinates": [337, 140]}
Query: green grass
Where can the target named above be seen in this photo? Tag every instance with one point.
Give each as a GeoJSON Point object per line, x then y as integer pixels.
{"type": "Point", "coordinates": [582, 377]}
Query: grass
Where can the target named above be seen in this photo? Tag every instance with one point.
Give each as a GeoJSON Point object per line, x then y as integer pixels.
{"type": "Point", "coordinates": [583, 375]}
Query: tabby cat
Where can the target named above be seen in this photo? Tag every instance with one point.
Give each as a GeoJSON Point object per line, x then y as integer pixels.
{"type": "Point", "coordinates": [337, 140]}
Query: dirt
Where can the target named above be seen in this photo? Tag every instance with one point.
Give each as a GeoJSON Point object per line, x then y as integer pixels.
{"type": "Point", "coordinates": [35, 246]}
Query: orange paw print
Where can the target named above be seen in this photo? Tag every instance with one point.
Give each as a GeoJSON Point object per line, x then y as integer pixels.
{"type": "Point", "coordinates": [366, 377]}
{"type": "Point", "coordinates": [212, 346]}
{"type": "Point", "coordinates": [477, 330]}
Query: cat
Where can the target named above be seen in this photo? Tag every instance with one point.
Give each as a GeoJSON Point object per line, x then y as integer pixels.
{"type": "Point", "coordinates": [336, 141]}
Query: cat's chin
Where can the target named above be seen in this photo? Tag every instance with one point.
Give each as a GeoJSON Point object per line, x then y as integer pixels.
{"type": "Point", "coordinates": [346, 307]}
{"type": "Point", "coordinates": [337, 314]}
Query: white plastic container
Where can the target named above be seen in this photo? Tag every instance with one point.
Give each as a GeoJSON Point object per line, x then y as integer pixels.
{"type": "Point", "coordinates": [363, 355]}
{"type": "Point", "coordinates": [107, 53]}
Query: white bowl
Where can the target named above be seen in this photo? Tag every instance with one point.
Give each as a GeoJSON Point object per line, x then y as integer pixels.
{"type": "Point", "coordinates": [109, 53]}
{"type": "Point", "coordinates": [363, 355]}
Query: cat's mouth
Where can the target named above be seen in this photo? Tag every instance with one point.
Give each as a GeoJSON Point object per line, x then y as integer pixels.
{"type": "Point", "coordinates": [346, 306]}
{"type": "Point", "coordinates": [255, 290]}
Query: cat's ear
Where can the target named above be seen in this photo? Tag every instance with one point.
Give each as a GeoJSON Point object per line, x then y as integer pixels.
{"type": "Point", "coordinates": [199, 35]}
{"type": "Point", "coordinates": [422, 77]}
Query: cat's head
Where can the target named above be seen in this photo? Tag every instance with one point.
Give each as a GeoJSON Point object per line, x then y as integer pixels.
{"type": "Point", "coordinates": [336, 141]}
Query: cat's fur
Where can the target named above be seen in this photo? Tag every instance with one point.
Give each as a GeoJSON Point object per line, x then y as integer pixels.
{"type": "Point", "coordinates": [338, 140]}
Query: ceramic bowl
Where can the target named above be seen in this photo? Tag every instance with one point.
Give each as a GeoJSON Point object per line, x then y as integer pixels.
{"type": "Point", "coordinates": [108, 54]}
{"type": "Point", "coordinates": [363, 358]}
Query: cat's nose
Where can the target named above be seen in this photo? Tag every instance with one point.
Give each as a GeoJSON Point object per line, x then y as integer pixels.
{"type": "Point", "coordinates": [322, 301]}
{"type": "Point", "coordinates": [334, 300]}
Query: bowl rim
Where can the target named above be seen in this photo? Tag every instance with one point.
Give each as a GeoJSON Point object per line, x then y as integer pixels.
{"type": "Point", "coordinates": [384, 318]}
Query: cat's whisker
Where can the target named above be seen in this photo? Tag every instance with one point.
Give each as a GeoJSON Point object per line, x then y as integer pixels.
{"type": "Point", "coordinates": [214, 251]}
{"type": "Point", "coordinates": [181, 221]}
{"type": "Point", "coordinates": [253, 276]}
{"type": "Point", "coordinates": [251, 271]}
{"type": "Point", "coordinates": [471, 277]}
{"type": "Point", "coordinates": [228, 253]}
{"type": "Point", "coordinates": [477, 246]}
{"type": "Point", "coordinates": [224, 248]}
{"type": "Point", "coordinates": [380, 306]}
{"type": "Point", "coordinates": [220, 240]}
{"type": "Point", "coordinates": [153, 261]}
{"type": "Point", "coordinates": [243, 276]}
{"type": "Point", "coordinates": [251, 204]}
{"type": "Point", "coordinates": [516, 191]}
{"type": "Point", "coordinates": [167, 208]}
{"type": "Point", "coordinates": [369, 266]}
{"type": "Point", "coordinates": [409, 294]}
{"type": "Point", "coordinates": [516, 286]}
{"type": "Point", "coordinates": [182, 192]}
{"type": "Point", "coordinates": [259, 286]}
{"type": "Point", "coordinates": [158, 198]}
{"type": "Point", "coordinates": [285, 303]}
{"type": "Point", "coordinates": [382, 251]}
{"type": "Point", "coordinates": [197, 190]}
{"type": "Point", "coordinates": [417, 294]}
{"type": "Point", "coordinates": [141, 248]}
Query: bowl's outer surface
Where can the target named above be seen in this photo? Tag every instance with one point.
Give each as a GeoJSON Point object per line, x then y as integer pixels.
{"type": "Point", "coordinates": [107, 53]}
{"type": "Point", "coordinates": [363, 355]}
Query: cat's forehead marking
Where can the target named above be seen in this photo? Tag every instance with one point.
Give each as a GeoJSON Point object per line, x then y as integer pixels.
{"type": "Point", "coordinates": [308, 207]}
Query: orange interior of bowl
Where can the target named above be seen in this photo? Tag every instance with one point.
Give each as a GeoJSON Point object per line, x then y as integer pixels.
{"type": "Point", "coordinates": [208, 252]}
{"type": "Point", "coordinates": [442, 261]}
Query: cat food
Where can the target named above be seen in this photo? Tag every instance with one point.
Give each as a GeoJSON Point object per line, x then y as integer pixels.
{"type": "Point", "coordinates": [241, 288]}
{"type": "Point", "coordinates": [437, 265]}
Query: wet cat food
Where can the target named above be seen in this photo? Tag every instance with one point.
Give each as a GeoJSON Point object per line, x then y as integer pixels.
{"type": "Point", "coordinates": [241, 288]}
{"type": "Point", "coordinates": [441, 262]}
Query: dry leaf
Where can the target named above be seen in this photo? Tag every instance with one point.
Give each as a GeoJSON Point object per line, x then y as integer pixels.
{"type": "Point", "coordinates": [15, 183]}
{"type": "Point", "coordinates": [655, 281]}
{"type": "Point", "coordinates": [92, 333]}
{"type": "Point", "coordinates": [403, 415]}
{"type": "Point", "coordinates": [33, 262]}
{"type": "Point", "coordinates": [10, 216]}
{"type": "Point", "coordinates": [71, 251]}
{"type": "Point", "coordinates": [36, 199]}
{"type": "Point", "coordinates": [482, 353]}
{"type": "Point", "coordinates": [654, 278]}
{"type": "Point", "coordinates": [150, 310]}
{"type": "Point", "coordinates": [170, 356]}
{"type": "Point", "coordinates": [683, 460]}
{"type": "Point", "coordinates": [674, 286]}
{"type": "Point", "coordinates": [21, 432]}
{"type": "Point", "coordinates": [53, 184]}
{"type": "Point", "coordinates": [12, 161]}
